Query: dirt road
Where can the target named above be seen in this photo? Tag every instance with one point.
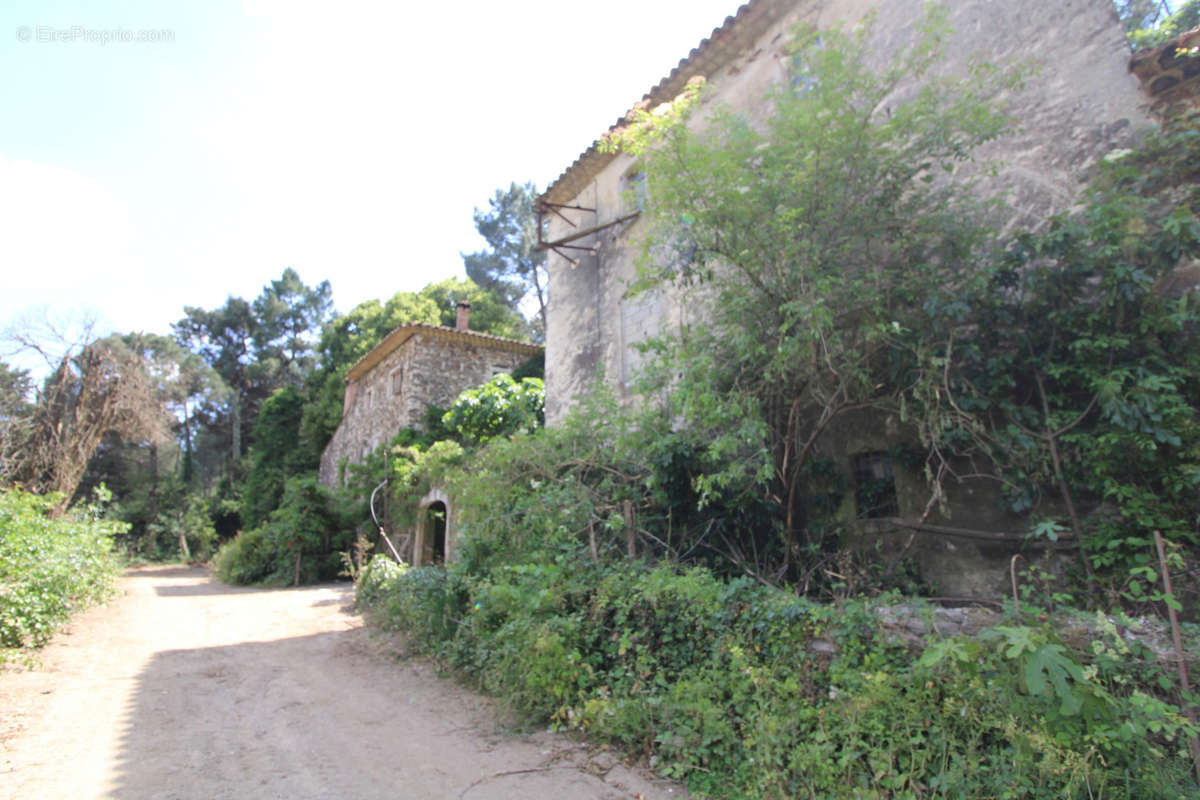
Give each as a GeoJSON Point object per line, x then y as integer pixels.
{"type": "Point", "coordinates": [182, 687]}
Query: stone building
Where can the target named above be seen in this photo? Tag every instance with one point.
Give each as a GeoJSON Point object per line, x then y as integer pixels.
{"type": "Point", "coordinates": [1081, 104]}
{"type": "Point", "coordinates": [414, 367]}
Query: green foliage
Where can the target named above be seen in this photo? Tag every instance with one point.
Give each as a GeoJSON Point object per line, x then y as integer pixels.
{"type": "Point", "coordinates": [511, 268]}
{"type": "Point", "coordinates": [16, 413]}
{"type": "Point", "coordinates": [299, 542]}
{"type": "Point", "coordinates": [535, 498]}
{"type": "Point", "coordinates": [1149, 23]}
{"type": "Point", "coordinates": [166, 521]}
{"type": "Point", "coordinates": [746, 691]}
{"type": "Point", "coordinates": [501, 407]}
{"type": "Point", "coordinates": [845, 274]}
{"type": "Point", "coordinates": [813, 239]}
{"type": "Point", "coordinates": [289, 314]}
{"type": "Point", "coordinates": [1074, 368]}
{"type": "Point", "coordinates": [276, 454]}
{"type": "Point", "coordinates": [50, 566]}
{"type": "Point", "coordinates": [489, 313]}
{"type": "Point", "coordinates": [184, 529]}
{"type": "Point", "coordinates": [254, 347]}
{"type": "Point", "coordinates": [534, 367]}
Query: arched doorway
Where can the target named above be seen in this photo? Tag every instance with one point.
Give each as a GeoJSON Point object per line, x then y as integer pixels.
{"type": "Point", "coordinates": [433, 537]}
{"type": "Point", "coordinates": [433, 543]}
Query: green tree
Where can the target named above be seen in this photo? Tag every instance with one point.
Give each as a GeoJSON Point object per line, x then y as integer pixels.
{"type": "Point", "coordinates": [1149, 23]}
{"type": "Point", "coordinates": [16, 409]}
{"type": "Point", "coordinates": [511, 267]}
{"type": "Point", "coordinates": [224, 338]}
{"type": "Point", "coordinates": [500, 407]}
{"type": "Point", "coordinates": [1076, 370]}
{"type": "Point", "coordinates": [814, 238]}
{"type": "Point", "coordinates": [489, 313]}
{"type": "Point", "coordinates": [255, 348]}
{"type": "Point", "coordinates": [276, 454]}
{"type": "Point", "coordinates": [149, 476]}
{"type": "Point", "coordinates": [290, 318]}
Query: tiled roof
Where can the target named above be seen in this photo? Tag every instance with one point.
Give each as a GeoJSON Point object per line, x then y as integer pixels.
{"type": "Point", "coordinates": [722, 46]}
{"type": "Point", "coordinates": [402, 334]}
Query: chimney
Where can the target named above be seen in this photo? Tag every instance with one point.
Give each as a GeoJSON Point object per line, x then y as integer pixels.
{"type": "Point", "coordinates": [464, 315]}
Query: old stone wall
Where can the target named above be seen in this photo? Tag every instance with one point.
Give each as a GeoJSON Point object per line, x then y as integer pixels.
{"type": "Point", "coordinates": [1080, 104]}
{"type": "Point", "coordinates": [431, 367]}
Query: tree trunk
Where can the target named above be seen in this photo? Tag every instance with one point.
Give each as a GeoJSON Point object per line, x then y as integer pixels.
{"type": "Point", "coordinates": [187, 445]}
{"type": "Point", "coordinates": [152, 468]}
{"type": "Point", "coordinates": [630, 533]}
{"type": "Point", "coordinates": [236, 450]}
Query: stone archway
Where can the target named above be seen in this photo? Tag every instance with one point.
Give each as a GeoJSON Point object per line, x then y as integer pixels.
{"type": "Point", "coordinates": [433, 538]}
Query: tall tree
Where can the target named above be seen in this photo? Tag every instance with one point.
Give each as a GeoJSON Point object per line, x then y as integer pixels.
{"type": "Point", "coordinates": [511, 266]}
{"type": "Point", "coordinates": [256, 348]}
{"type": "Point", "coordinates": [183, 382]}
{"type": "Point", "coordinates": [290, 317]}
{"type": "Point", "coordinates": [276, 454]}
{"type": "Point", "coordinates": [224, 338]}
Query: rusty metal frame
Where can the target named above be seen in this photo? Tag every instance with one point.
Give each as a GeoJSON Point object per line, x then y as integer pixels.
{"type": "Point", "coordinates": [565, 241]}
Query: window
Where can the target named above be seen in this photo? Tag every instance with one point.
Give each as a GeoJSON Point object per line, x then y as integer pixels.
{"type": "Point", "coordinates": [397, 380]}
{"type": "Point", "coordinates": [875, 486]}
{"type": "Point", "coordinates": [634, 190]}
{"type": "Point", "coordinates": [499, 368]}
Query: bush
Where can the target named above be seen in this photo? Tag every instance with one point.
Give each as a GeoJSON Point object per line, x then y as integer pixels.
{"type": "Point", "coordinates": [188, 523]}
{"type": "Point", "coordinates": [498, 408]}
{"type": "Point", "coordinates": [49, 567]}
{"type": "Point", "coordinates": [299, 541]}
{"type": "Point", "coordinates": [746, 691]}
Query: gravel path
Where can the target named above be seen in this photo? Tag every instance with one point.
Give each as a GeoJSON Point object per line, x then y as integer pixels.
{"type": "Point", "coordinates": [183, 687]}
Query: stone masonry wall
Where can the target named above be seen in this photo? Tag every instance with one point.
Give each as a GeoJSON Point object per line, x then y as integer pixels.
{"type": "Point", "coordinates": [1081, 104]}
{"type": "Point", "coordinates": [431, 367]}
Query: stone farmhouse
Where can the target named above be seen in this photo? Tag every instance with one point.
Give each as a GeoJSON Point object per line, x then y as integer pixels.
{"type": "Point", "coordinates": [414, 367]}
{"type": "Point", "coordinates": [1082, 104]}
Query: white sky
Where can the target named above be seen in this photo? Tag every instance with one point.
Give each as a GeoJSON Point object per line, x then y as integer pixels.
{"type": "Point", "coordinates": [350, 141]}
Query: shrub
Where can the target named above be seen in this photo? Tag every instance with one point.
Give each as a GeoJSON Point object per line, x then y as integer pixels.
{"type": "Point", "coordinates": [299, 541]}
{"type": "Point", "coordinates": [500, 407]}
{"type": "Point", "coordinates": [50, 567]}
{"type": "Point", "coordinates": [751, 692]}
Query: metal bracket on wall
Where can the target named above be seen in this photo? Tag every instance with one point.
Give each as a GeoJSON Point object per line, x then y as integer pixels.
{"type": "Point", "coordinates": [565, 242]}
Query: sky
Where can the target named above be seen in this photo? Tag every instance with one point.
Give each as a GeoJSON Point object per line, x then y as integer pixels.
{"type": "Point", "coordinates": [156, 155]}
